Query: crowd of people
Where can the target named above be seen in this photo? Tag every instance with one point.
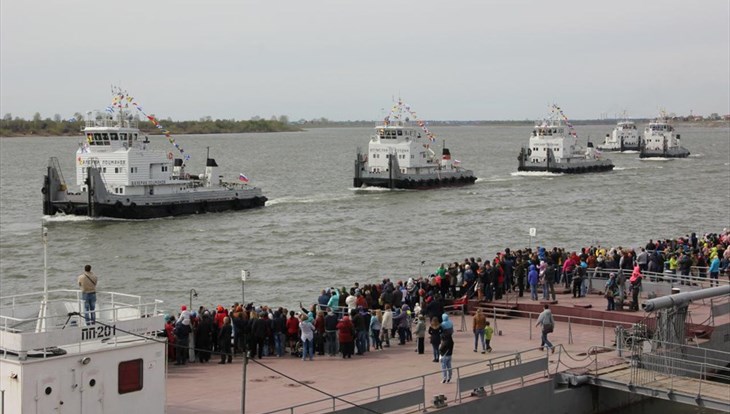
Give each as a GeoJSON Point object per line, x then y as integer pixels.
{"type": "Point", "coordinates": [366, 318]}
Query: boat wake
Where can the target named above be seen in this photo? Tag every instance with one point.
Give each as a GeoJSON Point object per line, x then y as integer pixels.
{"type": "Point", "coordinates": [656, 159]}
{"type": "Point", "coordinates": [494, 179]}
{"type": "Point", "coordinates": [62, 218]}
{"type": "Point", "coordinates": [306, 200]}
{"type": "Point", "coordinates": [629, 152]}
{"type": "Point", "coordinates": [535, 174]}
{"type": "Point", "coordinates": [374, 189]}
{"type": "Point", "coordinates": [699, 155]}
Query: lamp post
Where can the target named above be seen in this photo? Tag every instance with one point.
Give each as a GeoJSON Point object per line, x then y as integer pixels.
{"type": "Point", "coordinates": [420, 269]}
{"type": "Point", "coordinates": [193, 294]}
{"type": "Point", "coordinates": [244, 275]}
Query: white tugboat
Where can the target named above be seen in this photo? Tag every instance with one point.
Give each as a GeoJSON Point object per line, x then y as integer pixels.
{"type": "Point", "coordinates": [661, 141]}
{"type": "Point", "coordinates": [625, 137]}
{"type": "Point", "coordinates": [120, 175]}
{"type": "Point", "coordinates": [52, 362]}
{"type": "Point", "coordinates": [400, 156]}
{"type": "Point", "coordinates": [554, 147]}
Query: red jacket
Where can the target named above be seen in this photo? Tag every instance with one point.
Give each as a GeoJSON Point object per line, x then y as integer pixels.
{"type": "Point", "coordinates": [292, 326]}
{"type": "Point", "coordinates": [345, 329]}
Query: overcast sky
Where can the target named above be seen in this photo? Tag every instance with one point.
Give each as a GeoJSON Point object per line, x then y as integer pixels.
{"type": "Point", "coordinates": [346, 60]}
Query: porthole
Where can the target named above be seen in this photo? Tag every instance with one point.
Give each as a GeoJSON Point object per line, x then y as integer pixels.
{"type": "Point", "coordinates": [92, 382]}
{"type": "Point", "coordinates": [49, 390]}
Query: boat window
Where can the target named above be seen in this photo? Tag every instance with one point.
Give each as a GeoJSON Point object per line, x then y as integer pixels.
{"type": "Point", "coordinates": [97, 138]}
{"type": "Point", "coordinates": [130, 376]}
{"type": "Point", "coordinates": [400, 132]}
{"type": "Point", "coordinates": [134, 137]}
{"type": "Point", "coordinates": [114, 136]}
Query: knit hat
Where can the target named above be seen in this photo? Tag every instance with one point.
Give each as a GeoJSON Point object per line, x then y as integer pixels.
{"type": "Point", "coordinates": [183, 307]}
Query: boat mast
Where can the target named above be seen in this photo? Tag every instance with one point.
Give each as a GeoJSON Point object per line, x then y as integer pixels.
{"type": "Point", "coordinates": [41, 323]}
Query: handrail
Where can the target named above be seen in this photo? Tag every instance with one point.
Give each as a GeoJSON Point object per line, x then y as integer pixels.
{"type": "Point", "coordinates": [502, 359]}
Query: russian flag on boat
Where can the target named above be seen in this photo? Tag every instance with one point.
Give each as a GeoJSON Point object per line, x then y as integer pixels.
{"type": "Point", "coordinates": [242, 177]}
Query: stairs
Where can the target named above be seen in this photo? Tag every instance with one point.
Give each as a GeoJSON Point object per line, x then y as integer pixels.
{"type": "Point", "coordinates": [500, 310]}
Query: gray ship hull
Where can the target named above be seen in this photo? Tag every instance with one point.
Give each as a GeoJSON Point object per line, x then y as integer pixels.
{"type": "Point", "coordinates": [97, 202]}
{"type": "Point", "coordinates": [393, 178]}
{"type": "Point", "coordinates": [553, 166]}
{"type": "Point", "coordinates": [676, 152]}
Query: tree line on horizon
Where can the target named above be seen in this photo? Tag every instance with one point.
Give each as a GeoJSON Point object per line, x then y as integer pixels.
{"type": "Point", "coordinates": [13, 127]}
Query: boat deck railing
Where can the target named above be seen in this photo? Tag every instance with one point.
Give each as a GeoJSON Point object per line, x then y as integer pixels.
{"type": "Point", "coordinates": [34, 312]}
{"type": "Point", "coordinates": [683, 373]}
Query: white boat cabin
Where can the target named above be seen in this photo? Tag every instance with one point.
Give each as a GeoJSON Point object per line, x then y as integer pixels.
{"type": "Point", "coordinates": [128, 164]}
{"type": "Point", "coordinates": [625, 132]}
{"type": "Point", "coordinates": [414, 153]}
{"type": "Point", "coordinates": [660, 135]}
{"type": "Point", "coordinates": [553, 136]}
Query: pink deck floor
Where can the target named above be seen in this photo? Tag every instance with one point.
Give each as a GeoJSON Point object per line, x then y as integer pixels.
{"type": "Point", "coordinates": [213, 388]}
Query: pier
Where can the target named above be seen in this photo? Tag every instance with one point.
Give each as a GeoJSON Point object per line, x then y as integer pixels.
{"type": "Point", "coordinates": [601, 362]}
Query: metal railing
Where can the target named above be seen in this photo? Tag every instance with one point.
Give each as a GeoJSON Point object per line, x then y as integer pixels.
{"type": "Point", "coordinates": [462, 374]}
{"type": "Point", "coordinates": [112, 307]}
{"type": "Point", "coordinates": [666, 366]}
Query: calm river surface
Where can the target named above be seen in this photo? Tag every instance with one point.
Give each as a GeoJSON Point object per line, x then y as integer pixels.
{"type": "Point", "coordinates": [317, 231]}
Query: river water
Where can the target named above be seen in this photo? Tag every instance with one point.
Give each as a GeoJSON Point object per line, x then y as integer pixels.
{"type": "Point", "coordinates": [317, 231]}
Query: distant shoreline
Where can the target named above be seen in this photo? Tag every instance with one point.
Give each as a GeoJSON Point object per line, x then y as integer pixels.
{"type": "Point", "coordinates": [298, 127]}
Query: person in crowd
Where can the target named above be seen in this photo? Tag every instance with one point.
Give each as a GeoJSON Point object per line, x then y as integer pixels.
{"type": "Point", "coordinates": [434, 332]}
{"type": "Point", "coordinates": [387, 325]}
{"type": "Point", "coordinates": [224, 341]}
{"type": "Point", "coordinates": [635, 282]}
{"type": "Point", "coordinates": [547, 322]}
{"type": "Point", "coordinates": [330, 329]}
{"type": "Point", "coordinates": [292, 331]}
{"type": "Point", "coordinates": [87, 281]}
{"type": "Point", "coordinates": [376, 324]}
{"type": "Point", "coordinates": [169, 328]}
{"type": "Point", "coordinates": [446, 350]}
{"type": "Point", "coordinates": [204, 337]}
{"type": "Point", "coordinates": [488, 332]}
{"type": "Point", "coordinates": [714, 270]}
{"type": "Point", "coordinates": [278, 327]}
{"type": "Point", "coordinates": [258, 333]}
{"type": "Point", "coordinates": [182, 340]}
{"type": "Point", "coordinates": [400, 322]}
{"type": "Point", "coordinates": [420, 334]}
{"type": "Point", "coordinates": [346, 335]}
{"type": "Point", "coordinates": [307, 336]}
{"type": "Point", "coordinates": [319, 333]}
{"type": "Point", "coordinates": [478, 324]}
{"type": "Point", "coordinates": [532, 280]}
{"type": "Point", "coordinates": [611, 292]}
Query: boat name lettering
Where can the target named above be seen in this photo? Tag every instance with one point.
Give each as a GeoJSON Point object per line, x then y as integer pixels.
{"type": "Point", "coordinates": [148, 182]}
{"type": "Point", "coordinates": [113, 162]}
{"type": "Point", "coordinates": [98, 332]}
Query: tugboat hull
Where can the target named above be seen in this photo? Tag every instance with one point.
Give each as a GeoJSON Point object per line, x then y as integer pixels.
{"type": "Point", "coordinates": [553, 166]}
{"type": "Point", "coordinates": [414, 183]}
{"type": "Point", "coordinates": [97, 202]}
{"type": "Point", "coordinates": [671, 153]}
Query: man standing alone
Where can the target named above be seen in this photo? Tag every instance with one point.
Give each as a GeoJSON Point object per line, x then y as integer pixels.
{"type": "Point", "coordinates": [87, 281]}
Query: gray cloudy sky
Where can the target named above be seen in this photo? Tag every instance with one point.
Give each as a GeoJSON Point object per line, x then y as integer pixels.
{"type": "Point", "coordinates": [345, 60]}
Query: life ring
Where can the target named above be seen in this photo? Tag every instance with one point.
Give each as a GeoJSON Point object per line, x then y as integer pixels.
{"type": "Point", "coordinates": [169, 155]}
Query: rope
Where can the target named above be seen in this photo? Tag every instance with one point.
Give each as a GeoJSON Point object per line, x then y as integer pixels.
{"type": "Point", "coordinates": [252, 360]}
